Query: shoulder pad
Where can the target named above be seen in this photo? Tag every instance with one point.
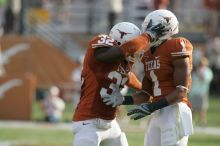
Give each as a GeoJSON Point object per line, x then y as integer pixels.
{"type": "Point", "coordinates": [180, 47]}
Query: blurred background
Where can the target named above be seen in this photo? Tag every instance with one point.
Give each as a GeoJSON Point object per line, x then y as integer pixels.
{"type": "Point", "coordinates": [42, 44]}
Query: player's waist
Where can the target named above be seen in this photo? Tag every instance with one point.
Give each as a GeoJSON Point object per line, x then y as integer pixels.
{"type": "Point", "coordinates": [97, 122]}
{"type": "Point", "coordinates": [157, 98]}
{"type": "Point", "coordinates": [83, 117]}
{"type": "Point", "coordinates": [184, 100]}
{"type": "Point", "coordinates": [86, 113]}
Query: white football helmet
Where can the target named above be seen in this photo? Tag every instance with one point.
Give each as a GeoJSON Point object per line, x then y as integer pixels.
{"type": "Point", "coordinates": [123, 32]}
{"type": "Point", "coordinates": [166, 18]}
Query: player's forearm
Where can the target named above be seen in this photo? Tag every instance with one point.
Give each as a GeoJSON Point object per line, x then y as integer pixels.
{"type": "Point", "coordinates": [130, 100]}
{"type": "Point", "coordinates": [136, 86]}
{"type": "Point", "coordinates": [176, 95]}
{"type": "Point", "coordinates": [113, 53]}
{"type": "Point", "coordinates": [140, 100]}
{"type": "Point", "coordinates": [181, 77]}
{"type": "Point", "coordinates": [109, 54]}
{"type": "Point", "coordinates": [139, 43]}
{"type": "Point", "coordinates": [133, 82]}
{"type": "Point", "coordinates": [137, 99]}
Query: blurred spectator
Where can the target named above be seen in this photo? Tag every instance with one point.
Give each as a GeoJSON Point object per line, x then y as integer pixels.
{"type": "Point", "coordinates": [197, 55]}
{"type": "Point", "coordinates": [213, 53]}
{"type": "Point", "coordinates": [53, 105]}
{"type": "Point", "coordinates": [199, 94]}
{"type": "Point", "coordinates": [76, 77]}
{"type": "Point", "coordinates": [115, 8]}
{"type": "Point", "coordinates": [153, 4]}
{"type": "Point", "coordinates": [51, 7]}
{"type": "Point", "coordinates": [40, 96]}
{"type": "Point", "coordinates": [161, 4]}
{"type": "Point", "coordinates": [8, 20]}
{"type": "Point", "coordinates": [64, 12]}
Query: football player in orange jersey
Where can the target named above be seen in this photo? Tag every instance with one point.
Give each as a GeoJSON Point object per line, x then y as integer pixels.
{"type": "Point", "coordinates": [94, 121]}
{"type": "Point", "coordinates": [167, 80]}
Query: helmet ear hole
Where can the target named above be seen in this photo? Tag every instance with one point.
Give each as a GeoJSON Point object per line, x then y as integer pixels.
{"type": "Point", "coordinates": [119, 43]}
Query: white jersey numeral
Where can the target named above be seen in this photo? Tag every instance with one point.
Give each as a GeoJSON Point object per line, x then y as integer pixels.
{"type": "Point", "coordinates": [114, 86]}
{"type": "Point", "coordinates": [157, 90]}
{"type": "Point", "coordinates": [104, 39]}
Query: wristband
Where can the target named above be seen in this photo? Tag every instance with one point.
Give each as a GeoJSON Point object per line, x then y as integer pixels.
{"type": "Point", "coordinates": [159, 104]}
{"type": "Point", "coordinates": [128, 100]}
{"type": "Point", "coordinates": [183, 88]}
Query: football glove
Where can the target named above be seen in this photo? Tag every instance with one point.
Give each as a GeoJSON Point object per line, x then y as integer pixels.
{"type": "Point", "coordinates": [156, 31]}
{"type": "Point", "coordinates": [140, 111]}
{"type": "Point", "coordinates": [146, 109]}
{"type": "Point", "coordinates": [115, 99]}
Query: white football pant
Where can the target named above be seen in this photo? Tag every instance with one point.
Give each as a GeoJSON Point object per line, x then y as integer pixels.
{"type": "Point", "coordinates": [98, 132]}
{"type": "Point", "coordinates": [169, 126]}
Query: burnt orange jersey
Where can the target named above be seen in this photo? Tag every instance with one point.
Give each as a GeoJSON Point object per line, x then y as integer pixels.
{"type": "Point", "coordinates": [100, 79]}
{"type": "Point", "coordinates": [159, 66]}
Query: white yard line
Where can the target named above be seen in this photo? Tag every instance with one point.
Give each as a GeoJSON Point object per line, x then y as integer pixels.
{"type": "Point", "coordinates": [68, 126]}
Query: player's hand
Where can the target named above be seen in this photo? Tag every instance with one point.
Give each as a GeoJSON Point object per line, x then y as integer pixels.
{"type": "Point", "coordinates": [156, 31]}
{"type": "Point", "coordinates": [114, 100]}
{"type": "Point", "coordinates": [140, 111]}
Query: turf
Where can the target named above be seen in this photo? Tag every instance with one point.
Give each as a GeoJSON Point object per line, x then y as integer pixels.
{"type": "Point", "coordinates": [51, 137]}
{"type": "Point", "coordinates": [213, 117]}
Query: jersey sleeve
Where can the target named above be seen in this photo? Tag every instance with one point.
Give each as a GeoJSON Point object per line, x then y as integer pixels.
{"type": "Point", "coordinates": [102, 40]}
{"type": "Point", "coordinates": [181, 48]}
{"type": "Point", "coordinates": [137, 44]}
{"type": "Point", "coordinates": [133, 82]}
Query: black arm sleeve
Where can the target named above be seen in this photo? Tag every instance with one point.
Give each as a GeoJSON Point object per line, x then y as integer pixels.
{"type": "Point", "coordinates": [128, 100]}
{"type": "Point", "coordinates": [108, 54]}
{"type": "Point", "coordinates": [158, 105]}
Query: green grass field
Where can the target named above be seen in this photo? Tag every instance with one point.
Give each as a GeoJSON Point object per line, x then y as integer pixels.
{"type": "Point", "coordinates": [53, 137]}
{"type": "Point", "coordinates": [50, 137]}
{"type": "Point", "coordinates": [213, 117]}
